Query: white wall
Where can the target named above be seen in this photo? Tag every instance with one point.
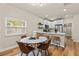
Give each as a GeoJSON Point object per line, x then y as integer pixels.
{"type": "Point", "coordinates": [68, 20]}
{"type": "Point", "coordinates": [7, 10]}
{"type": "Point", "coordinates": [75, 30]}
{"type": "Point", "coordinates": [75, 26]}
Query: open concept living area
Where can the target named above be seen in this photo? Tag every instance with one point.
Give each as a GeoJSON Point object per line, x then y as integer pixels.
{"type": "Point", "coordinates": [39, 29]}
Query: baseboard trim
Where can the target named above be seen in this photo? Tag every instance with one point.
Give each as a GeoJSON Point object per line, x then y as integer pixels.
{"type": "Point", "coordinates": [1, 50]}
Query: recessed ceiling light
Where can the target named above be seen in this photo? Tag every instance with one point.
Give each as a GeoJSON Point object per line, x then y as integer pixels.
{"type": "Point", "coordinates": [65, 9]}
{"type": "Point", "coordinates": [46, 15]}
{"type": "Point", "coordinates": [41, 5]}
{"type": "Point", "coordinates": [33, 4]}
{"type": "Point", "coordinates": [66, 15]}
{"type": "Point", "coordinates": [52, 18]}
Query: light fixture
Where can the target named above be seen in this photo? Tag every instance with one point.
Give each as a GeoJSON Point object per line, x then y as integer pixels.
{"type": "Point", "coordinates": [66, 16]}
{"type": "Point", "coordinates": [46, 15]}
{"type": "Point", "coordinates": [33, 4]}
{"type": "Point", "coordinates": [65, 9]}
{"type": "Point", "coordinates": [41, 5]}
{"type": "Point", "coordinates": [52, 19]}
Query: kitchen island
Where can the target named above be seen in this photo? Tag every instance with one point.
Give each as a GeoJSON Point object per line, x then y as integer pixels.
{"type": "Point", "coordinates": [52, 35]}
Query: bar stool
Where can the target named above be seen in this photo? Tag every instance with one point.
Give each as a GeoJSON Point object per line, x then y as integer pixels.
{"type": "Point", "coordinates": [57, 41]}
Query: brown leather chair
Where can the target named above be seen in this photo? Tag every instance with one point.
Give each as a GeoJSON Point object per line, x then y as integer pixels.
{"type": "Point", "coordinates": [42, 35]}
{"type": "Point", "coordinates": [44, 47]}
{"type": "Point", "coordinates": [24, 36]}
{"type": "Point", "coordinates": [25, 48]}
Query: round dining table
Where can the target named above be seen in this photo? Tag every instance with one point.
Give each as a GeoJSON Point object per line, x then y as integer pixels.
{"type": "Point", "coordinates": [31, 41]}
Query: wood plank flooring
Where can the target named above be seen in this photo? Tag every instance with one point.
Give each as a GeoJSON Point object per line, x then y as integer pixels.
{"type": "Point", "coordinates": [10, 52]}
{"type": "Point", "coordinates": [71, 49]}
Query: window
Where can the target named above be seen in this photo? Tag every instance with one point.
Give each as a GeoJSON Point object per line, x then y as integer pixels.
{"type": "Point", "coordinates": [14, 26]}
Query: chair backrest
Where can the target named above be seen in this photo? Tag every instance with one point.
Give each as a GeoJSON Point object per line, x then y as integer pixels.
{"type": "Point", "coordinates": [44, 36]}
{"type": "Point", "coordinates": [23, 47]}
{"type": "Point", "coordinates": [57, 38]}
{"type": "Point", "coordinates": [41, 37]}
{"type": "Point", "coordinates": [24, 36]}
{"type": "Point", "coordinates": [47, 44]}
{"type": "Point", "coordinates": [47, 36]}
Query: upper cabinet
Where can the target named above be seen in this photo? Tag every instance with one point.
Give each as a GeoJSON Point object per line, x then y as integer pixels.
{"type": "Point", "coordinates": [54, 25]}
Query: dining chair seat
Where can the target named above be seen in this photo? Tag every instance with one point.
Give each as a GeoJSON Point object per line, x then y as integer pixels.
{"type": "Point", "coordinates": [42, 46]}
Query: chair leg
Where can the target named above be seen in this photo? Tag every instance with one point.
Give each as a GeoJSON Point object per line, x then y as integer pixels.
{"type": "Point", "coordinates": [33, 53]}
{"type": "Point", "coordinates": [38, 52]}
{"type": "Point", "coordinates": [41, 52]}
{"type": "Point", "coordinates": [21, 54]}
{"type": "Point", "coordinates": [45, 53]}
{"type": "Point", "coordinates": [58, 45]}
{"type": "Point", "coordinates": [48, 52]}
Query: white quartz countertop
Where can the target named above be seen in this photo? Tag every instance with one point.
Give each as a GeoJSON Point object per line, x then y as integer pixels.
{"type": "Point", "coordinates": [51, 33]}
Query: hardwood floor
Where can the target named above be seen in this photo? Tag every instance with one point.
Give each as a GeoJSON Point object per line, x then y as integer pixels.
{"type": "Point", "coordinates": [10, 52]}
{"type": "Point", "coordinates": [71, 49]}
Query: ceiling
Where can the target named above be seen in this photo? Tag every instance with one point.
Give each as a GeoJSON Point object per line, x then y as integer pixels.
{"type": "Point", "coordinates": [72, 9]}
{"type": "Point", "coordinates": [49, 10]}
